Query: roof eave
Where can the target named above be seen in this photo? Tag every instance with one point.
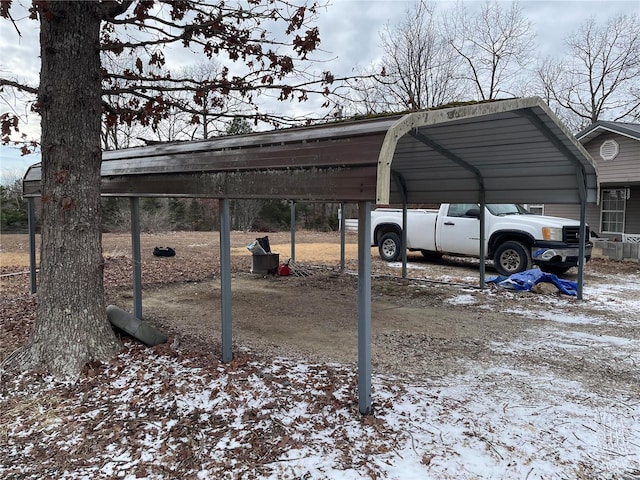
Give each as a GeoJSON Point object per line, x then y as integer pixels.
{"type": "Point", "coordinates": [598, 129]}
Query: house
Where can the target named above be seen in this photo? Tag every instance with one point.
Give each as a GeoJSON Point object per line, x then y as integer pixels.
{"type": "Point", "coordinates": [615, 148]}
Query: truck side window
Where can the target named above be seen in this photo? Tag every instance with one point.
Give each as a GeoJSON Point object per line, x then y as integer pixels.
{"type": "Point", "coordinates": [460, 209]}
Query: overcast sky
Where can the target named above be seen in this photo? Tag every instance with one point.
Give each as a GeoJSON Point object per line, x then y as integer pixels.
{"type": "Point", "coordinates": [349, 32]}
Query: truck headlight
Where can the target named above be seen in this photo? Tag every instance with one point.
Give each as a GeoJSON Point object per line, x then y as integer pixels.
{"type": "Point", "coordinates": [550, 233]}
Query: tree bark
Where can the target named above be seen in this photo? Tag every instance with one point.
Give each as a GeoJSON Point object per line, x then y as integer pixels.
{"type": "Point", "coordinates": [71, 326]}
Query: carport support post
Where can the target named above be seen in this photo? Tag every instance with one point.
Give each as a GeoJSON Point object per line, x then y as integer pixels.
{"type": "Point", "coordinates": [364, 308]}
{"type": "Point", "coordinates": [584, 239]}
{"type": "Point", "coordinates": [342, 236]}
{"type": "Point", "coordinates": [403, 241]}
{"type": "Point", "coordinates": [135, 256]}
{"type": "Point", "coordinates": [483, 251]}
{"type": "Point", "coordinates": [31, 212]}
{"type": "Point", "coordinates": [293, 231]}
{"type": "Point", "coordinates": [225, 279]}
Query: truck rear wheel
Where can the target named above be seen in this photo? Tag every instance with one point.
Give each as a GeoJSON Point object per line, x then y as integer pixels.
{"type": "Point", "coordinates": [512, 257]}
{"type": "Point", "coordinates": [389, 247]}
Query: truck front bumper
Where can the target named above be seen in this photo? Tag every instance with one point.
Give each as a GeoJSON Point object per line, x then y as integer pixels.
{"type": "Point", "coordinates": [559, 256]}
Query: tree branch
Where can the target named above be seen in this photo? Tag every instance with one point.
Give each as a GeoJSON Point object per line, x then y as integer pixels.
{"type": "Point", "coordinates": [112, 8]}
{"type": "Point", "coordinates": [5, 82]}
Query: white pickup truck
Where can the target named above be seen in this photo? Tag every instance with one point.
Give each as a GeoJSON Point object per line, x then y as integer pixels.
{"type": "Point", "coordinates": [515, 239]}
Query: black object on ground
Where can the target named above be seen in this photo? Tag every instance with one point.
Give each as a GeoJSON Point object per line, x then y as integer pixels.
{"type": "Point", "coordinates": [264, 243]}
{"type": "Point", "coordinates": [164, 252]}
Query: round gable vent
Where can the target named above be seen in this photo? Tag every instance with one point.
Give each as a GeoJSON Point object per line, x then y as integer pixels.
{"type": "Point", "coordinates": [609, 149]}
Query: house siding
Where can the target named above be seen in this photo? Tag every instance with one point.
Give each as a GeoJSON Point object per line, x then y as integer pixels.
{"type": "Point", "coordinates": [632, 213]}
{"type": "Point", "coordinates": [573, 212]}
{"type": "Point", "coordinates": [622, 170]}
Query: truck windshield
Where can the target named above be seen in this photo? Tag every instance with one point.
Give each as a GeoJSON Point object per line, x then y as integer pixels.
{"type": "Point", "coordinates": [500, 209]}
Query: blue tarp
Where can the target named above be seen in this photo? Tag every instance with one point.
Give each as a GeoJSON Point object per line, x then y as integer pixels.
{"type": "Point", "coordinates": [524, 281]}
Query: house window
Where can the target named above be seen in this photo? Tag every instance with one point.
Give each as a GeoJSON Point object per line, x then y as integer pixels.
{"type": "Point", "coordinates": [613, 205]}
{"type": "Point", "coordinates": [537, 209]}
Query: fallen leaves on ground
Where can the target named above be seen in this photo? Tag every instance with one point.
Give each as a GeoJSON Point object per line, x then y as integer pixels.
{"type": "Point", "coordinates": [162, 413]}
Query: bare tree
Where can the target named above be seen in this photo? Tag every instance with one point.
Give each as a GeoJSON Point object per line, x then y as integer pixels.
{"type": "Point", "coordinates": [431, 60]}
{"type": "Point", "coordinates": [420, 65]}
{"type": "Point", "coordinates": [76, 90]}
{"type": "Point", "coordinates": [599, 77]}
{"type": "Point", "coordinates": [116, 135]}
{"type": "Point", "coordinates": [494, 46]}
{"type": "Point", "coordinates": [208, 111]}
{"type": "Point", "coordinates": [210, 102]}
{"type": "Point", "coordinates": [365, 95]}
{"type": "Point", "coordinates": [419, 68]}
{"type": "Point", "coordinates": [178, 122]}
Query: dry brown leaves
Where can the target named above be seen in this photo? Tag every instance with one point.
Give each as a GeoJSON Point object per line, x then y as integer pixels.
{"type": "Point", "coordinates": [161, 412]}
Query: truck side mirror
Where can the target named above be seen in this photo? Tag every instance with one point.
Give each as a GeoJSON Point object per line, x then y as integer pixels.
{"type": "Point", "coordinates": [473, 212]}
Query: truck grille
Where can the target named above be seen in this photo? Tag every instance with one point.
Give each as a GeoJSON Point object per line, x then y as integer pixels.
{"type": "Point", "coordinates": [571, 235]}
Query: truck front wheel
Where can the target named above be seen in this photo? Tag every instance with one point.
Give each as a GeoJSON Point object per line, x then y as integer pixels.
{"type": "Point", "coordinates": [389, 247]}
{"type": "Point", "coordinates": [511, 257]}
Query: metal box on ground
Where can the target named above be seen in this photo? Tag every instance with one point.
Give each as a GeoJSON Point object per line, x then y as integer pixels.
{"type": "Point", "coordinates": [264, 264]}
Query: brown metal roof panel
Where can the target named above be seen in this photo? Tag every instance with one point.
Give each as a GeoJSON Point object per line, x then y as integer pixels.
{"type": "Point", "coordinates": [359, 151]}
{"type": "Point", "coordinates": [319, 184]}
{"type": "Point", "coordinates": [355, 151]}
{"type": "Point", "coordinates": [282, 138]}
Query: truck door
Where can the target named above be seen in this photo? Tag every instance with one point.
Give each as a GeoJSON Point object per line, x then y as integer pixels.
{"type": "Point", "coordinates": [459, 232]}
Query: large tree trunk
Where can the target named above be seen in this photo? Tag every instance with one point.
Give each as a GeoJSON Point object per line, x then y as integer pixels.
{"type": "Point", "coordinates": [71, 327]}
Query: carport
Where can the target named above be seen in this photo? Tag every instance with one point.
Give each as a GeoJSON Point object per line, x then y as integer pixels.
{"type": "Point", "coordinates": [496, 152]}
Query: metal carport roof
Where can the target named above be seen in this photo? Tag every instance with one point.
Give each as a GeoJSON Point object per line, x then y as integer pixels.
{"type": "Point", "coordinates": [496, 152]}
{"type": "Point", "coordinates": [512, 150]}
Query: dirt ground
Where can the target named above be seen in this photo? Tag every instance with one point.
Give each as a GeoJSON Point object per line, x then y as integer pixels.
{"type": "Point", "coordinates": [430, 325]}
{"type": "Point", "coordinates": [468, 382]}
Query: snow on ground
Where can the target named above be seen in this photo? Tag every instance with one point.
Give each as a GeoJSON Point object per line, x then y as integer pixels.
{"type": "Point", "coordinates": [162, 413]}
{"type": "Point", "coordinates": [159, 415]}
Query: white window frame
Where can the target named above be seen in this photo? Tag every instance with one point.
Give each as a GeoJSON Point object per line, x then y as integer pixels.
{"type": "Point", "coordinates": [624, 208]}
{"type": "Point", "coordinates": [537, 206]}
